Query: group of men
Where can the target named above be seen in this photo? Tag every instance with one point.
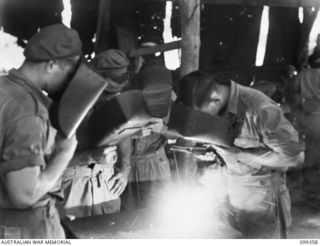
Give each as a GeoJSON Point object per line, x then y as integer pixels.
{"type": "Point", "coordinates": [41, 170]}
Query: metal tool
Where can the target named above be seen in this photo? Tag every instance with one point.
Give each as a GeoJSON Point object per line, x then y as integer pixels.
{"type": "Point", "coordinates": [199, 150]}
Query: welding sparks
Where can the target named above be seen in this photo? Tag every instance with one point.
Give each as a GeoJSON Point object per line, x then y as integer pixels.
{"type": "Point", "coordinates": [195, 210]}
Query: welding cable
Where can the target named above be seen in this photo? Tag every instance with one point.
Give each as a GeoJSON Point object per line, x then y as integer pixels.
{"type": "Point", "coordinates": [176, 166]}
{"type": "Point", "coordinates": [259, 157]}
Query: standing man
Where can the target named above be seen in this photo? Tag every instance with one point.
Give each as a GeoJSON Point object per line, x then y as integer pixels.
{"type": "Point", "coordinates": [150, 170]}
{"type": "Point", "coordinates": [95, 178]}
{"type": "Point", "coordinates": [33, 154]}
{"type": "Point", "coordinates": [307, 102]}
{"type": "Point", "coordinates": [265, 146]}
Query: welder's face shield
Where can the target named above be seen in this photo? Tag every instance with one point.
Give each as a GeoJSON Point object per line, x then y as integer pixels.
{"type": "Point", "coordinates": [158, 101]}
{"type": "Point", "coordinates": [195, 125]}
{"type": "Point", "coordinates": [67, 68]}
{"type": "Point", "coordinates": [76, 99]}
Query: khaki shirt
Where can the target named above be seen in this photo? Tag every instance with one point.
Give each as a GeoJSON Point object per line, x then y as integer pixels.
{"type": "Point", "coordinates": [147, 144]}
{"type": "Point", "coordinates": [26, 136]}
{"type": "Point", "coordinates": [263, 127]}
{"type": "Point", "coordinates": [309, 82]}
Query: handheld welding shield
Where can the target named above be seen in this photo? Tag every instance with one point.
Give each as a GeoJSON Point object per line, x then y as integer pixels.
{"type": "Point", "coordinates": [77, 99]}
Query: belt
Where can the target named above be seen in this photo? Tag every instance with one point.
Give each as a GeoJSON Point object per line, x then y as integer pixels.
{"type": "Point", "coordinates": [86, 171]}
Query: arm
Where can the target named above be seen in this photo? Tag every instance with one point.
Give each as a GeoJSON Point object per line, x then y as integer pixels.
{"type": "Point", "coordinates": [120, 179]}
{"type": "Point", "coordinates": [32, 181]}
{"type": "Point", "coordinates": [125, 151]}
{"type": "Point", "coordinates": [260, 157]}
{"type": "Point", "coordinates": [281, 139]}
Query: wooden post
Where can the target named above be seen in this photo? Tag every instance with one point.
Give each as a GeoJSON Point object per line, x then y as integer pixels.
{"type": "Point", "coordinates": [190, 49]}
{"type": "Point", "coordinates": [190, 34]}
{"type": "Point", "coordinates": [103, 25]}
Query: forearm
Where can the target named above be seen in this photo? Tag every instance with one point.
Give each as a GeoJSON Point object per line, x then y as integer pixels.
{"type": "Point", "coordinates": [49, 177]}
{"type": "Point", "coordinates": [125, 150]}
{"type": "Point", "coordinates": [270, 158]}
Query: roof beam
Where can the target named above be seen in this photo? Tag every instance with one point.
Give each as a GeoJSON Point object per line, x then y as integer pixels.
{"type": "Point", "coordinates": [271, 3]}
{"type": "Point", "coordinates": [154, 49]}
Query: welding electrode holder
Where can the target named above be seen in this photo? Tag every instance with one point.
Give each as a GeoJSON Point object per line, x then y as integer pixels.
{"type": "Point", "coordinates": [199, 150]}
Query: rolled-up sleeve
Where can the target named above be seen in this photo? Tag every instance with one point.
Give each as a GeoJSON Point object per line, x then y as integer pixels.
{"type": "Point", "coordinates": [25, 142]}
{"type": "Point", "coordinates": [278, 133]}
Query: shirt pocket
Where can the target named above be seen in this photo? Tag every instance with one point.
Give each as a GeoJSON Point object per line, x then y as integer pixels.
{"type": "Point", "coordinates": [10, 232]}
{"type": "Point", "coordinates": [249, 136]}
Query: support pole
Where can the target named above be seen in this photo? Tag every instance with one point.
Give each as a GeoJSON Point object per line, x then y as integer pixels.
{"type": "Point", "coordinates": [190, 34]}
{"type": "Point", "coordinates": [190, 49]}
{"type": "Point", "coordinates": [103, 25]}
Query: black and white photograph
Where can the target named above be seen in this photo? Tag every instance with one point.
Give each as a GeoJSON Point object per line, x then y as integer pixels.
{"type": "Point", "coordinates": [159, 119]}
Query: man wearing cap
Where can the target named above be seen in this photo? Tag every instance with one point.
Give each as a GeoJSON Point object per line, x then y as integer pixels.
{"type": "Point", "coordinates": [150, 169]}
{"type": "Point", "coordinates": [307, 89]}
{"type": "Point", "coordinates": [93, 182]}
{"type": "Point", "coordinates": [33, 154]}
{"type": "Point", "coordinates": [264, 147]}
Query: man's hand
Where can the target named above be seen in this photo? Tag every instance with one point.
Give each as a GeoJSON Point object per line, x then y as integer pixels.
{"type": "Point", "coordinates": [229, 154]}
{"type": "Point", "coordinates": [145, 131]}
{"type": "Point", "coordinates": [119, 182]}
{"type": "Point", "coordinates": [157, 125]}
{"type": "Point", "coordinates": [105, 155]}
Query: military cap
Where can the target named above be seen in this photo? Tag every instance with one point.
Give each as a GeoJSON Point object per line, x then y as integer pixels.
{"type": "Point", "coordinates": [111, 63]}
{"type": "Point", "coordinates": [53, 42]}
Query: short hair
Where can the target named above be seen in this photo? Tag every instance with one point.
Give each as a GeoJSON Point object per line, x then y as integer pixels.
{"type": "Point", "coordinates": [197, 86]}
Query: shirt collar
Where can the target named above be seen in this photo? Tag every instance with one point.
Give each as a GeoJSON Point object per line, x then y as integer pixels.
{"type": "Point", "coordinates": [25, 82]}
